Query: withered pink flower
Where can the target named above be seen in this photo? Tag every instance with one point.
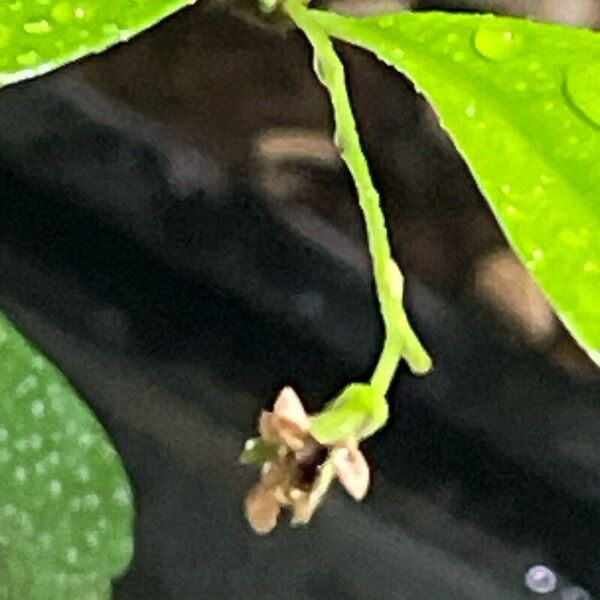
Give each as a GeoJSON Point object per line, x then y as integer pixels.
{"type": "Point", "coordinates": [299, 470]}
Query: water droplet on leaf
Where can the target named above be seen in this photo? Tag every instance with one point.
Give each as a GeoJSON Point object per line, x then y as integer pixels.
{"type": "Point", "coordinates": [110, 29]}
{"type": "Point", "coordinates": [37, 27]}
{"type": "Point", "coordinates": [387, 21]}
{"type": "Point", "coordinates": [338, 140]}
{"type": "Point", "coordinates": [318, 68]}
{"type": "Point", "coordinates": [511, 211]}
{"type": "Point", "coordinates": [496, 43]}
{"type": "Point", "coordinates": [583, 90]}
{"type": "Point", "coordinates": [125, 35]}
{"type": "Point", "coordinates": [62, 12]}
{"type": "Point", "coordinates": [540, 579]}
{"type": "Point", "coordinates": [398, 53]}
{"type": "Point", "coordinates": [72, 554]}
{"type": "Point", "coordinates": [28, 59]}
{"type": "Point", "coordinates": [4, 36]}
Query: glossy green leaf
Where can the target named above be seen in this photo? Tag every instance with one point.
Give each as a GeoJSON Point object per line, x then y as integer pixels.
{"type": "Point", "coordinates": [521, 101]}
{"type": "Point", "coordinates": [65, 500]}
{"type": "Point", "coordinates": [37, 36]}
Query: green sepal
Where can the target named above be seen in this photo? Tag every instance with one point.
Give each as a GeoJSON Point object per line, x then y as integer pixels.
{"type": "Point", "coordinates": [356, 413]}
{"type": "Point", "coordinates": [257, 452]}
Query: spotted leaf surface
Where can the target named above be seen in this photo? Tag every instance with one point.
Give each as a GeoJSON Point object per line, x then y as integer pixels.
{"type": "Point", "coordinates": [65, 501]}
{"type": "Point", "coordinates": [37, 36]}
{"type": "Point", "coordinates": [521, 102]}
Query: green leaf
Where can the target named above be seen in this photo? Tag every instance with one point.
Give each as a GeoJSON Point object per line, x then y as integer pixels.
{"type": "Point", "coordinates": [521, 101]}
{"type": "Point", "coordinates": [65, 500]}
{"type": "Point", "coordinates": [37, 36]}
{"type": "Point", "coordinates": [356, 413]}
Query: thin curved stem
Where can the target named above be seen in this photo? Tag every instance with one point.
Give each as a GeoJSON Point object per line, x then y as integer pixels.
{"type": "Point", "coordinates": [400, 339]}
{"type": "Point", "coordinates": [386, 365]}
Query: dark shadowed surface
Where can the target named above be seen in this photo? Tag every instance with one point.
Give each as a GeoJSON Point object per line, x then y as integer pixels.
{"type": "Point", "coordinates": [147, 251]}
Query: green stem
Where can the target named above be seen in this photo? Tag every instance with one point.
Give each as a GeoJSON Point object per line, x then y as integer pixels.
{"type": "Point", "coordinates": [386, 365]}
{"type": "Point", "coordinates": [399, 337]}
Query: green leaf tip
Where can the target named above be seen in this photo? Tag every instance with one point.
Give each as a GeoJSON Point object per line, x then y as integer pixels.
{"type": "Point", "coordinates": [521, 102]}
{"type": "Point", "coordinates": [66, 511]}
{"type": "Point", "coordinates": [37, 37]}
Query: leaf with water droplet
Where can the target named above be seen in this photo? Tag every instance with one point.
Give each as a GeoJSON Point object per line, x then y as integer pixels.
{"type": "Point", "coordinates": [496, 42]}
{"type": "Point", "coordinates": [522, 106]}
{"type": "Point", "coordinates": [65, 500]}
{"type": "Point", "coordinates": [583, 88]}
{"type": "Point", "coordinates": [37, 37]}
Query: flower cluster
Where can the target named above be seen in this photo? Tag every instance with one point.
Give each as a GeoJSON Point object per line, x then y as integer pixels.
{"type": "Point", "coordinates": [296, 470]}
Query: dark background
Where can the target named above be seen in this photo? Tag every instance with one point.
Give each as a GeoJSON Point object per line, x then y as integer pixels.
{"type": "Point", "coordinates": [177, 235]}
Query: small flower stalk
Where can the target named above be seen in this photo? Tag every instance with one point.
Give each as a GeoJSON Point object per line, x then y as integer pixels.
{"type": "Point", "coordinates": [296, 470]}
{"type": "Point", "coordinates": [300, 455]}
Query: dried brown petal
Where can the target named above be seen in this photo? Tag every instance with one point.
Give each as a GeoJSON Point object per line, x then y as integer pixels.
{"type": "Point", "coordinates": [301, 470]}
{"type": "Point", "coordinates": [288, 424]}
{"type": "Point", "coordinates": [288, 408]}
{"type": "Point", "coordinates": [267, 428]}
{"type": "Point", "coordinates": [262, 509]}
{"type": "Point", "coordinates": [281, 493]}
{"type": "Point", "coordinates": [304, 505]}
{"type": "Point", "coordinates": [352, 470]}
{"type": "Point", "coordinates": [272, 474]}
{"type": "Point", "coordinates": [290, 435]}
